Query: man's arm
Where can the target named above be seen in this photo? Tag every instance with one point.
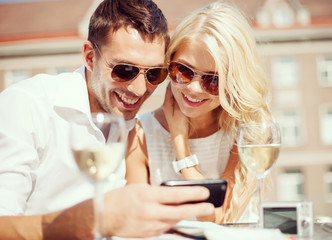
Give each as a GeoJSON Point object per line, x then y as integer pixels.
{"type": "Point", "coordinates": [72, 223]}
{"type": "Point", "coordinates": [137, 210]}
{"type": "Point", "coordinates": [19, 146]}
{"type": "Point", "coordinates": [21, 227]}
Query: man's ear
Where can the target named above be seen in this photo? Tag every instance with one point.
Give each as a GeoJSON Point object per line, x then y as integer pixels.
{"type": "Point", "coordinates": [88, 55]}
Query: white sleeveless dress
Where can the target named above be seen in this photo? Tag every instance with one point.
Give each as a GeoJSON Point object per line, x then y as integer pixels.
{"type": "Point", "coordinates": [212, 152]}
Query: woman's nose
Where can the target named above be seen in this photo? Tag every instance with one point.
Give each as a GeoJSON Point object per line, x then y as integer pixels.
{"type": "Point", "coordinates": [195, 84]}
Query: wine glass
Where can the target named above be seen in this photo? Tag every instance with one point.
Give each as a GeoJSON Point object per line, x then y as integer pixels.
{"type": "Point", "coordinates": [259, 146]}
{"type": "Point", "coordinates": [98, 145]}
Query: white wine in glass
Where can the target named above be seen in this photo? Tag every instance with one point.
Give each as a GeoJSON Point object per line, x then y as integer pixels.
{"type": "Point", "coordinates": [99, 154]}
{"type": "Point", "coordinates": [96, 162]}
{"type": "Point", "coordinates": [259, 146]}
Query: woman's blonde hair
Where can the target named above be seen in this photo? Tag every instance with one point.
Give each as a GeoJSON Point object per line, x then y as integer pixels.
{"type": "Point", "coordinates": [243, 85]}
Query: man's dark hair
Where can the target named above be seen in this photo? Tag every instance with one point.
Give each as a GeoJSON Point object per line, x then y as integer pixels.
{"type": "Point", "coordinates": [142, 15]}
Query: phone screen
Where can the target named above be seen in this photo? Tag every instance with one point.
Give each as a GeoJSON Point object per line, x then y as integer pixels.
{"type": "Point", "coordinates": [216, 187]}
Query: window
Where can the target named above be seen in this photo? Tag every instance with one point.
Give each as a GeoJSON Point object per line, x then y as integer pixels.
{"type": "Point", "coordinates": [283, 16]}
{"type": "Point", "coordinates": [263, 18]}
{"type": "Point", "coordinates": [285, 72]}
{"type": "Point", "coordinates": [290, 186]}
{"type": "Point", "coordinates": [14, 76]}
{"type": "Point", "coordinates": [326, 125]}
{"type": "Point", "coordinates": [325, 71]}
{"type": "Point", "coordinates": [328, 181]}
{"type": "Point", "coordinates": [290, 123]}
{"type": "Point", "coordinates": [288, 97]}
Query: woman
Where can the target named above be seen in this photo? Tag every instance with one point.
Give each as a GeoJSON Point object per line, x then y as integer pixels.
{"type": "Point", "coordinates": [218, 82]}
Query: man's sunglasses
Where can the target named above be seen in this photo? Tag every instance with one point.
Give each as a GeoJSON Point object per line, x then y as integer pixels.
{"type": "Point", "coordinates": [123, 72]}
{"type": "Point", "coordinates": [182, 74]}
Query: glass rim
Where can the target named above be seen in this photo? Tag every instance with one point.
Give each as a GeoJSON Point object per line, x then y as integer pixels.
{"type": "Point", "coordinates": [259, 123]}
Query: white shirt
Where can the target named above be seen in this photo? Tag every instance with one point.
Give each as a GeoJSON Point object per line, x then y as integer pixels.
{"type": "Point", "coordinates": [37, 171]}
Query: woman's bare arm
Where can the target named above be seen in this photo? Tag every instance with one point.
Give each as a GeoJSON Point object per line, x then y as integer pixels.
{"type": "Point", "coordinates": [137, 157]}
{"type": "Point", "coordinates": [179, 129]}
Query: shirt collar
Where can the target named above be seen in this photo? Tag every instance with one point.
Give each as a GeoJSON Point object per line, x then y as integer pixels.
{"type": "Point", "coordinates": [73, 93]}
{"type": "Point", "coordinates": [130, 124]}
{"type": "Point", "coordinates": [73, 96]}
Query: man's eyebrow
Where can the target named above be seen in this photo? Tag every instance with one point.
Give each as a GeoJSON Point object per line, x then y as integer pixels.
{"type": "Point", "coordinates": [126, 61]}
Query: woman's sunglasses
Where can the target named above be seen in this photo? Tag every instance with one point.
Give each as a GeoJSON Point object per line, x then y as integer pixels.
{"type": "Point", "coordinates": [182, 74]}
{"type": "Point", "coordinates": [123, 72]}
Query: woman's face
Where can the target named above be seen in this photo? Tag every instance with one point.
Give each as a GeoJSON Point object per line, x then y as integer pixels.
{"type": "Point", "coordinates": [192, 99]}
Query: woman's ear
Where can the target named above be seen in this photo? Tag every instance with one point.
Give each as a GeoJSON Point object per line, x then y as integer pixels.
{"type": "Point", "coordinates": [88, 55]}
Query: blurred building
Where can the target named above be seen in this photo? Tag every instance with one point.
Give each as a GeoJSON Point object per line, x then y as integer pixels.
{"type": "Point", "coordinates": [295, 42]}
{"type": "Point", "coordinates": [41, 36]}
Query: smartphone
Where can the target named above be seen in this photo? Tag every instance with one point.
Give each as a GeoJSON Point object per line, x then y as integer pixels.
{"type": "Point", "coordinates": [216, 187]}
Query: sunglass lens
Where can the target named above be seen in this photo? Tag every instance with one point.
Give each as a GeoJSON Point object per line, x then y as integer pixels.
{"type": "Point", "coordinates": [210, 84]}
{"type": "Point", "coordinates": [123, 72]}
{"type": "Point", "coordinates": [156, 75]}
{"type": "Point", "coordinates": [180, 73]}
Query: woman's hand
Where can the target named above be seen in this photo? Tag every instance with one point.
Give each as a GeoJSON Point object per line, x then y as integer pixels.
{"type": "Point", "coordinates": [177, 125]}
{"type": "Point", "coordinates": [177, 122]}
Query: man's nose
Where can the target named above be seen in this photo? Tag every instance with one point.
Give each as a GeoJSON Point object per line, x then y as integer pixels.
{"type": "Point", "coordinates": [138, 85]}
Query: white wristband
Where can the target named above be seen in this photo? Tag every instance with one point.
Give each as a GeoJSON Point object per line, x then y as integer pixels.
{"type": "Point", "coordinates": [189, 161]}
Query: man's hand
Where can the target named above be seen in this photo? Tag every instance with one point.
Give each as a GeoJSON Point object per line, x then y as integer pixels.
{"type": "Point", "coordinates": [141, 210]}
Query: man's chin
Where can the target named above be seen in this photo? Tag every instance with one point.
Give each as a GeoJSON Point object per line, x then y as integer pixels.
{"type": "Point", "coordinates": [127, 115]}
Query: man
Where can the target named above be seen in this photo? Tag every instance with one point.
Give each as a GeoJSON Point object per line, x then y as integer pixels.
{"type": "Point", "coordinates": [124, 62]}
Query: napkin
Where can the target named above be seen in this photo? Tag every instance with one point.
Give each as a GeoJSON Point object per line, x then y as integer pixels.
{"type": "Point", "coordinates": [233, 233]}
{"type": "Point", "coordinates": [214, 231]}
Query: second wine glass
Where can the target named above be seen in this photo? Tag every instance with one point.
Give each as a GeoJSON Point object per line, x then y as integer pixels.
{"type": "Point", "coordinates": [259, 147]}
{"type": "Point", "coordinates": [99, 154]}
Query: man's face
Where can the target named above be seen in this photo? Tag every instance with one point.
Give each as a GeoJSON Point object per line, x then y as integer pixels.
{"type": "Point", "coordinates": [124, 98]}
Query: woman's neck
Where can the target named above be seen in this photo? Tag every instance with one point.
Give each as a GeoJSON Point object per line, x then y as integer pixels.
{"type": "Point", "coordinates": [199, 127]}
{"type": "Point", "coordinates": [204, 126]}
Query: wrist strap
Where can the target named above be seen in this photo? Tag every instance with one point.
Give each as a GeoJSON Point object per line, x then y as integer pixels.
{"type": "Point", "coordinates": [189, 161]}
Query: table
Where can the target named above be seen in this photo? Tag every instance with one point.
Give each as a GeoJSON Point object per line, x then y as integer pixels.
{"type": "Point", "coordinates": [320, 233]}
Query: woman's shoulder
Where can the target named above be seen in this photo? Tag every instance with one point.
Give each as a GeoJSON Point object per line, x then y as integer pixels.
{"type": "Point", "coordinates": [146, 120]}
{"type": "Point", "coordinates": [154, 121]}
{"type": "Point", "coordinates": [144, 116]}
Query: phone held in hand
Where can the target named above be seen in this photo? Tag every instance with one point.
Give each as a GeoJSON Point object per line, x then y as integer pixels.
{"type": "Point", "coordinates": [217, 188]}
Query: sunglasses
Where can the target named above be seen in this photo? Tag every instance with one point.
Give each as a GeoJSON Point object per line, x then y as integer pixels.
{"type": "Point", "coordinates": [122, 72]}
{"type": "Point", "coordinates": [182, 74]}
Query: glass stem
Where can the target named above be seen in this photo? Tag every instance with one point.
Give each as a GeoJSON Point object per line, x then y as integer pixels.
{"type": "Point", "coordinates": [98, 210]}
{"type": "Point", "coordinates": [262, 189]}
{"type": "Point", "coordinates": [259, 200]}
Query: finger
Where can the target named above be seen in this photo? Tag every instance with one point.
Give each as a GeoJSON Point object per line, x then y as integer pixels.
{"type": "Point", "coordinates": [177, 213]}
{"type": "Point", "coordinates": [177, 195]}
{"type": "Point", "coordinates": [145, 229]}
